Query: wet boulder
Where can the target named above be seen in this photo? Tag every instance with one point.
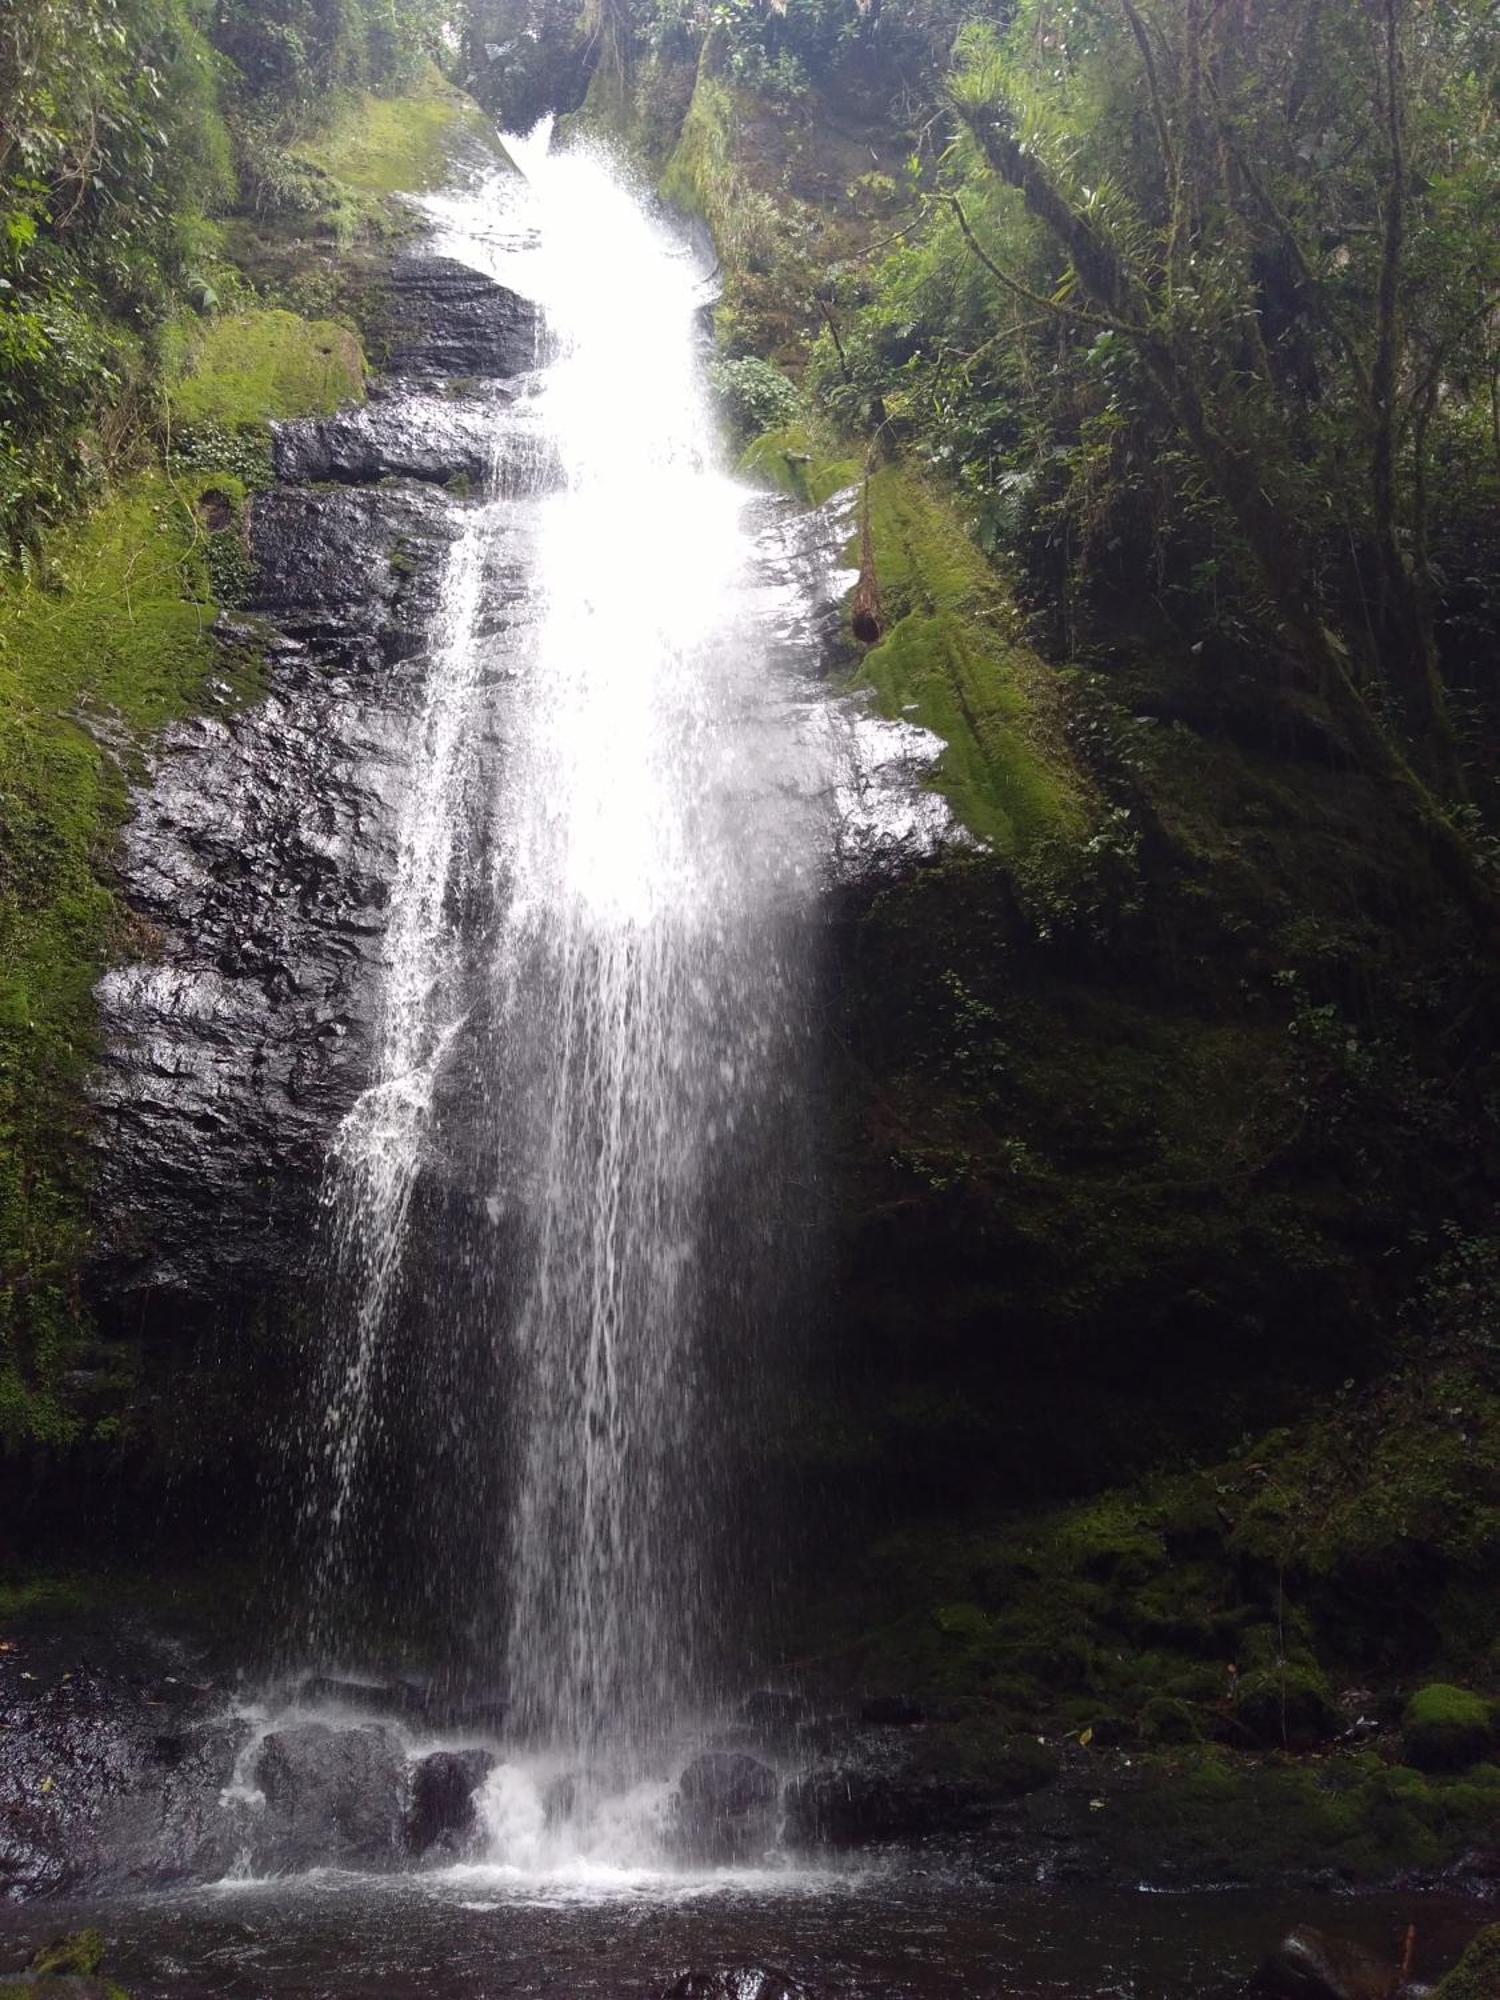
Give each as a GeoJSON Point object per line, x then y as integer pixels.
{"type": "Point", "coordinates": [332, 1795]}
{"type": "Point", "coordinates": [442, 1815]}
{"type": "Point", "coordinates": [1308, 1964]}
{"type": "Point", "coordinates": [449, 322]}
{"type": "Point", "coordinates": [726, 1805]}
{"type": "Point", "coordinates": [437, 439]}
{"type": "Point", "coordinates": [110, 1774]}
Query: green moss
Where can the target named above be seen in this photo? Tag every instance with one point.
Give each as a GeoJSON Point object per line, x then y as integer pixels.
{"type": "Point", "coordinates": [1477, 1974]}
{"type": "Point", "coordinates": [81, 1952]}
{"type": "Point", "coordinates": [1446, 1728]}
{"type": "Point", "coordinates": [704, 176]}
{"type": "Point", "coordinates": [381, 146]}
{"type": "Point", "coordinates": [1286, 1707]}
{"type": "Point", "coordinates": [117, 644]}
{"type": "Point", "coordinates": [791, 461]}
{"type": "Point", "coordinates": [953, 659]}
{"type": "Point", "coordinates": [247, 368]}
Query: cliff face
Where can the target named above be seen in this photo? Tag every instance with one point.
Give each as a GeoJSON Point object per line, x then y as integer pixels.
{"type": "Point", "coordinates": [262, 849]}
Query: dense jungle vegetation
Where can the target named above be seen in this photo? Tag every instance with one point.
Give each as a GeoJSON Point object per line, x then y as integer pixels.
{"type": "Point", "coordinates": [1162, 340]}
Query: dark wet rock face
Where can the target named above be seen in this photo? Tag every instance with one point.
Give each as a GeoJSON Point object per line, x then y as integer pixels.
{"type": "Point", "coordinates": [331, 1795]}
{"type": "Point", "coordinates": [439, 439]}
{"type": "Point", "coordinates": [726, 1806]}
{"type": "Point", "coordinates": [109, 1773]}
{"type": "Point", "coordinates": [449, 323]}
{"type": "Point", "coordinates": [443, 1816]}
{"type": "Point", "coordinates": [260, 853]}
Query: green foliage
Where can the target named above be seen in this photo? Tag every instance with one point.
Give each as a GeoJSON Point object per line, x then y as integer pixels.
{"type": "Point", "coordinates": [753, 395]}
{"type": "Point", "coordinates": [953, 658]}
{"type": "Point", "coordinates": [126, 126]}
{"type": "Point", "coordinates": [380, 146]}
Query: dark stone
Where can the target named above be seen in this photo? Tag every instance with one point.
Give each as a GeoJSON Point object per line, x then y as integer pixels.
{"type": "Point", "coordinates": [332, 1795]}
{"type": "Point", "coordinates": [448, 322]}
{"type": "Point", "coordinates": [726, 1805]}
{"type": "Point", "coordinates": [93, 1794]}
{"type": "Point", "coordinates": [773, 1709]}
{"type": "Point", "coordinates": [437, 439]}
{"type": "Point", "coordinates": [442, 1812]}
{"type": "Point", "coordinates": [877, 1795]}
{"type": "Point", "coordinates": [739, 1982]}
{"type": "Point", "coordinates": [260, 854]}
{"type": "Point", "coordinates": [890, 1711]}
{"type": "Point", "coordinates": [1308, 1964]}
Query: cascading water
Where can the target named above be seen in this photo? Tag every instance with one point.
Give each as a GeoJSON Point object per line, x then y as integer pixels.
{"type": "Point", "coordinates": [593, 1020]}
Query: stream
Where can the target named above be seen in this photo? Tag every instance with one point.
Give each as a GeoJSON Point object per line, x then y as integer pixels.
{"type": "Point", "coordinates": [482, 1932]}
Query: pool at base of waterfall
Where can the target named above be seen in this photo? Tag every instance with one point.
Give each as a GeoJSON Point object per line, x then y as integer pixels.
{"type": "Point", "coordinates": [480, 1932]}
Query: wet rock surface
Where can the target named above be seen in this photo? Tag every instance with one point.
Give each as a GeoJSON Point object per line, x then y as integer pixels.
{"type": "Point", "coordinates": [260, 852]}
{"type": "Point", "coordinates": [124, 1766]}
{"type": "Point", "coordinates": [331, 1794]}
{"type": "Point", "coordinates": [738, 1982]}
{"type": "Point", "coordinates": [448, 322]}
{"type": "Point", "coordinates": [726, 1806]}
{"type": "Point", "coordinates": [439, 439]}
{"type": "Point", "coordinates": [112, 1759]}
{"type": "Point", "coordinates": [443, 1816]}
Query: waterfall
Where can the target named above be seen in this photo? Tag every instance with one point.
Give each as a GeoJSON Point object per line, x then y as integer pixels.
{"type": "Point", "coordinates": [565, 1210]}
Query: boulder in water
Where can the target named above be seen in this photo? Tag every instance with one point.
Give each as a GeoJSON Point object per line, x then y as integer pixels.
{"type": "Point", "coordinates": [333, 1795]}
{"type": "Point", "coordinates": [726, 1805]}
{"type": "Point", "coordinates": [442, 1813]}
{"type": "Point", "coordinates": [1308, 1964]}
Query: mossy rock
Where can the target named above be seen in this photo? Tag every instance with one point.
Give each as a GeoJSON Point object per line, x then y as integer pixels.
{"type": "Point", "coordinates": [1286, 1708]}
{"type": "Point", "coordinates": [67, 1969]}
{"type": "Point", "coordinates": [1477, 1974]}
{"type": "Point", "coordinates": [1447, 1728]}
{"type": "Point", "coordinates": [80, 1951]}
{"type": "Point", "coordinates": [1003, 1763]}
{"type": "Point", "coordinates": [251, 367]}
{"type": "Point", "coordinates": [382, 146]}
